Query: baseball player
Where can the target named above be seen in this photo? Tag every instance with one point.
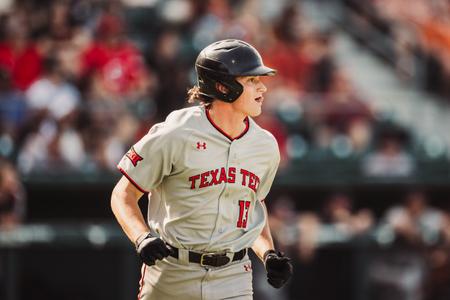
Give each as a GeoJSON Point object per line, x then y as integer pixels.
{"type": "Point", "coordinates": [207, 170]}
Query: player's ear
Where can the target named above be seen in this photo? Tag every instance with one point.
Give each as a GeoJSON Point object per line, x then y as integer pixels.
{"type": "Point", "coordinates": [221, 88]}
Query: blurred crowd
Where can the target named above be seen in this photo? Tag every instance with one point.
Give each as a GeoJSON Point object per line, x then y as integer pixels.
{"type": "Point", "coordinates": [69, 82]}
{"type": "Point", "coordinates": [407, 247]}
{"type": "Point", "coordinates": [413, 35]}
{"type": "Point", "coordinates": [80, 81]}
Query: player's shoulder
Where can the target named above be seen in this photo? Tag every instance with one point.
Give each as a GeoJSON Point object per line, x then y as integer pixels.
{"type": "Point", "coordinates": [184, 116]}
{"type": "Point", "coordinates": [178, 122]}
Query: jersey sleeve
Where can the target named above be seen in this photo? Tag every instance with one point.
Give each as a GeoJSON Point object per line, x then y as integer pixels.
{"type": "Point", "coordinates": [267, 180]}
{"type": "Point", "coordinates": [152, 158]}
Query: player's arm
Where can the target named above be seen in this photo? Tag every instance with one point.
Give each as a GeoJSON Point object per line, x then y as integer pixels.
{"type": "Point", "coordinates": [124, 204]}
{"type": "Point", "coordinates": [279, 268]}
{"type": "Point", "coordinates": [264, 242]}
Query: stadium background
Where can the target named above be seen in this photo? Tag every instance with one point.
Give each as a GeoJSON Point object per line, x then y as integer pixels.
{"type": "Point", "coordinates": [360, 108]}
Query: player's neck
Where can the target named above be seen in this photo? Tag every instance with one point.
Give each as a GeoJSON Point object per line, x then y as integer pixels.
{"type": "Point", "coordinates": [227, 119]}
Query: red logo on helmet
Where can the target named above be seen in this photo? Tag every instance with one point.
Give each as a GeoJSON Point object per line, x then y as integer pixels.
{"type": "Point", "coordinates": [133, 156]}
{"type": "Point", "coordinates": [201, 145]}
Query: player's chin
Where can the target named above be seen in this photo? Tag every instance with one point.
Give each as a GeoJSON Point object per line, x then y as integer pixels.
{"type": "Point", "coordinates": [255, 112]}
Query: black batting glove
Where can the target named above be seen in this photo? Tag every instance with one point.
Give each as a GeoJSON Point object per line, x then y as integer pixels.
{"type": "Point", "coordinates": [151, 248]}
{"type": "Point", "coordinates": [279, 268]}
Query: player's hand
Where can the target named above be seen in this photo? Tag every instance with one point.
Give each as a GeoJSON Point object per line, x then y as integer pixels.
{"type": "Point", "coordinates": [279, 268]}
{"type": "Point", "coordinates": [152, 248]}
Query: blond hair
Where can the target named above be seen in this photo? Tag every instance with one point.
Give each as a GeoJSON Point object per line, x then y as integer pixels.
{"type": "Point", "coordinates": [194, 95]}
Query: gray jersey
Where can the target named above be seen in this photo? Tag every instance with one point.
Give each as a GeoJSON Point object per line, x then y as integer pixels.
{"type": "Point", "coordinates": [205, 188]}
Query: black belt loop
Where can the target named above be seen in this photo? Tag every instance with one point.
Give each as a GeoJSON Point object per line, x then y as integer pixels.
{"type": "Point", "coordinates": [211, 259]}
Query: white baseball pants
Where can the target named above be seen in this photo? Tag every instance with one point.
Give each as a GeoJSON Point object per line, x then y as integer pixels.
{"type": "Point", "coordinates": [178, 279]}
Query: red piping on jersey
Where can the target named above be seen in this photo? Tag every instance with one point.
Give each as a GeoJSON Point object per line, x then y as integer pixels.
{"type": "Point", "coordinates": [131, 180]}
{"type": "Point", "coordinates": [141, 282]}
{"type": "Point", "coordinates": [247, 125]}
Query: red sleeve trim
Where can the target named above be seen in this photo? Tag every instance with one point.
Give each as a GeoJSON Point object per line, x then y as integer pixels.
{"type": "Point", "coordinates": [131, 180]}
{"type": "Point", "coordinates": [141, 282]}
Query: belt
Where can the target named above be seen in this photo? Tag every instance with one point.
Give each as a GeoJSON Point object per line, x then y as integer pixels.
{"type": "Point", "coordinates": [211, 259]}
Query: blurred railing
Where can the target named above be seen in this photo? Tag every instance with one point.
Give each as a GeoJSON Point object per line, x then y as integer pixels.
{"type": "Point", "coordinates": [310, 170]}
{"type": "Point", "coordinates": [331, 171]}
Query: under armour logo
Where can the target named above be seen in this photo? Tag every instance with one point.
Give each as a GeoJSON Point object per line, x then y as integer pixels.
{"type": "Point", "coordinates": [201, 145]}
{"type": "Point", "coordinates": [247, 267]}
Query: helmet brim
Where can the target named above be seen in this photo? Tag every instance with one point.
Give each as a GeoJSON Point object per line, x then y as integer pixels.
{"type": "Point", "coordinates": [259, 71]}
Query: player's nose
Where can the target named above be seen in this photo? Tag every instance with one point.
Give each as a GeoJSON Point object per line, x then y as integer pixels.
{"type": "Point", "coordinates": [262, 87]}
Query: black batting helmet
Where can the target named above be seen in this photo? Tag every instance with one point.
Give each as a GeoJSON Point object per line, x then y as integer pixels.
{"type": "Point", "coordinates": [223, 61]}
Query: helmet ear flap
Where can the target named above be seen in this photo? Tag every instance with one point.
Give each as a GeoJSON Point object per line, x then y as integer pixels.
{"type": "Point", "coordinates": [218, 86]}
{"type": "Point", "coordinates": [233, 90]}
{"type": "Point", "coordinates": [222, 88]}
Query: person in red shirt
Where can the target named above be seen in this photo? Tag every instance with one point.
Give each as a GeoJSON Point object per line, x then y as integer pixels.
{"type": "Point", "coordinates": [19, 55]}
{"type": "Point", "coordinates": [114, 61]}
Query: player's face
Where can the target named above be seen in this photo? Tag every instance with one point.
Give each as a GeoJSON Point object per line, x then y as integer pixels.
{"type": "Point", "coordinates": [251, 99]}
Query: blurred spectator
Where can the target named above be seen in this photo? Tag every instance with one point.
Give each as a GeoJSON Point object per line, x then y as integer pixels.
{"type": "Point", "coordinates": [52, 94]}
{"type": "Point", "coordinates": [339, 213]}
{"type": "Point", "coordinates": [104, 146]}
{"type": "Point", "coordinates": [12, 197]}
{"type": "Point", "coordinates": [169, 55]}
{"type": "Point", "coordinates": [60, 21]}
{"type": "Point", "coordinates": [337, 222]}
{"type": "Point", "coordinates": [53, 103]}
{"type": "Point", "coordinates": [114, 62]}
{"type": "Point", "coordinates": [415, 221]}
{"type": "Point", "coordinates": [12, 114]}
{"type": "Point", "coordinates": [282, 220]}
{"type": "Point", "coordinates": [18, 54]}
{"type": "Point", "coordinates": [338, 112]}
{"type": "Point", "coordinates": [309, 226]}
{"type": "Point", "coordinates": [401, 272]}
{"type": "Point", "coordinates": [289, 51]}
{"type": "Point", "coordinates": [318, 47]}
{"type": "Point", "coordinates": [390, 157]}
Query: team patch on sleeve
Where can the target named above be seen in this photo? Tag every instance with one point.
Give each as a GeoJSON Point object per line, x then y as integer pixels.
{"type": "Point", "coordinates": [133, 156]}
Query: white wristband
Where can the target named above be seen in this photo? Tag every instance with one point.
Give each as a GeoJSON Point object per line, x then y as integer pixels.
{"type": "Point", "coordinates": [140, 238]}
